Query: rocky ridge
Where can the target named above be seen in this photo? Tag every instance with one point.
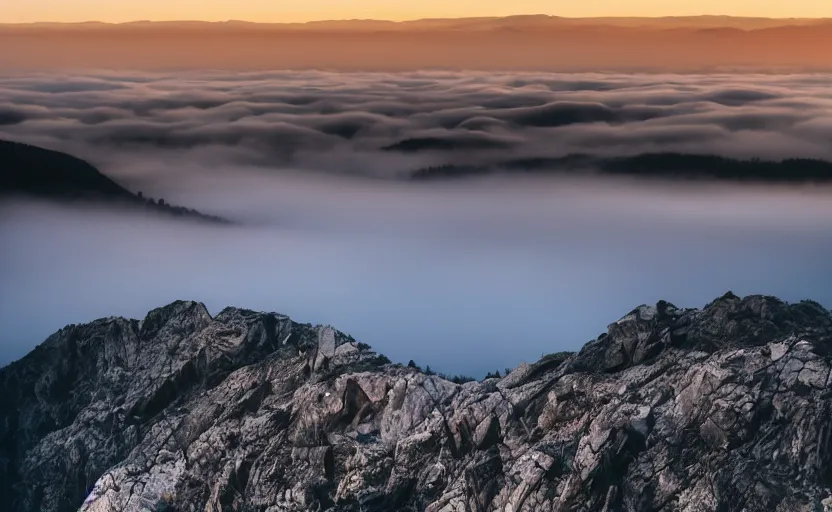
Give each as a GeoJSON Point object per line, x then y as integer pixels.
{"type": "Point", "coordinates": [721, 408]}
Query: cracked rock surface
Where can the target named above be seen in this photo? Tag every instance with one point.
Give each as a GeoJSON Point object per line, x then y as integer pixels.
{"type": "Point", "coordinates": [723, 408]}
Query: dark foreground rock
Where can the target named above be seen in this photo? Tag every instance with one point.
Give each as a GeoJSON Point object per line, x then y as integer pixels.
{"type": "Point", "coordinates": [726, 408]}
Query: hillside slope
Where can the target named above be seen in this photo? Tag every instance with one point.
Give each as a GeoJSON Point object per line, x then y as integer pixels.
{"type": "Point", "coordinates": [36, 172]}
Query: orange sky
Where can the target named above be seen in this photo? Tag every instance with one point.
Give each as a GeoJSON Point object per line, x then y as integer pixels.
{"type": "Point", "coordinates": [17, 11]}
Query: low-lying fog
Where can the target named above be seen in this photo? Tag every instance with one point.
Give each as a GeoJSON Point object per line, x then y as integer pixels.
{"type": "Point", "coordinates": [466, 276]}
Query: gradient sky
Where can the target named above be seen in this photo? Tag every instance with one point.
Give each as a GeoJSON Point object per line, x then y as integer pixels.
{"type": "Point", "coordinates": [306, 10]}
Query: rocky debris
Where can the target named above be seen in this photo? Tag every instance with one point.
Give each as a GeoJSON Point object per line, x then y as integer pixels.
{"type": "Point", "coordinates": [723, 408]}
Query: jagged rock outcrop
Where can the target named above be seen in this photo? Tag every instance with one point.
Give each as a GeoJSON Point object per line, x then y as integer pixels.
{"type": "Point", "coordinates": [723, 408]}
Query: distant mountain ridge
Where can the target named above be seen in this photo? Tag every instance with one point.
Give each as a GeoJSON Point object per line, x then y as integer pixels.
{"type": "Point", "coordinates": [42, 173]}
{"type": "Point", "coordinates": [516, 43]}
{"type": "Point", "coordinates": [525, 20]}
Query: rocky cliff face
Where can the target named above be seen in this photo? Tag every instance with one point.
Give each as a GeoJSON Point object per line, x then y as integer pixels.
{"type": "Point", "coordinates": [724, 408]}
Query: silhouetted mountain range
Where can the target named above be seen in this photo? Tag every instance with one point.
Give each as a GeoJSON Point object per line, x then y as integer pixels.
{"type": "Point", "coordinates": [37, 172]}
{"type": "Point", "coordinates": [655, 165]}
{"type": "Point", "coordinates": [530, 43]}
{"type": "Point", "coordinates": [529, 21]}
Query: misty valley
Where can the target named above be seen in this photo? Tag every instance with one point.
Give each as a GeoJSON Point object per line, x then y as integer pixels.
{"type": "Point", "coordinates": [285, 290]}
{"type": "Point", "coordinates": [526, 250]}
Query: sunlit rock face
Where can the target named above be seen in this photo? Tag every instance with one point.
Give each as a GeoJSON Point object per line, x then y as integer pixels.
{"type": "Point", "coordinates": [723, 408]}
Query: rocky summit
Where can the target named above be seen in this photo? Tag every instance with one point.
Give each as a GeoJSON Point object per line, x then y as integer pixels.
{"type": "Point", "coordinates": [724, 408]}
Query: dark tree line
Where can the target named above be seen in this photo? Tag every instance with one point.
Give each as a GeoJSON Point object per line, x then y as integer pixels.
{"type": "Point", "coordinates": [656, 165]}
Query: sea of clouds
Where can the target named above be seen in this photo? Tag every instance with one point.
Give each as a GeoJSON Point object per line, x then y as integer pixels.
{"type": "Point", "coordinates": [467, 276]}
{"type": "Point", "coordinates": [343, 122]}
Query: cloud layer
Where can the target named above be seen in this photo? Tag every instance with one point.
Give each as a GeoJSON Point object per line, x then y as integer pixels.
{"type": "Point", "coordinates": [465, 276]}
{"type": "Point", "coordinates": [385, 124]}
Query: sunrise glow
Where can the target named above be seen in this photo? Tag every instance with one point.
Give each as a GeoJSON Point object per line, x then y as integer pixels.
{"type": "Point", "coordinates": [308, 10]}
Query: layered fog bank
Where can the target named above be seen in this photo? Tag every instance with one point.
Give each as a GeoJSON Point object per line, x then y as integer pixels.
{"type": "Point", "coordinates": [152, 128]}
{"type": "Point", "coordinates": [467, 277]}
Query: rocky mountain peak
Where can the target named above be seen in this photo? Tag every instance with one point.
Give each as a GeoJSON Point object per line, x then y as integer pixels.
{"type": "Point", "coordinates": [720, 408]}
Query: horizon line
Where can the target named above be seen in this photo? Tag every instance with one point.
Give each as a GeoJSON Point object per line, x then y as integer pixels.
{"type": "Point", "coordinates": [415, 20]}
